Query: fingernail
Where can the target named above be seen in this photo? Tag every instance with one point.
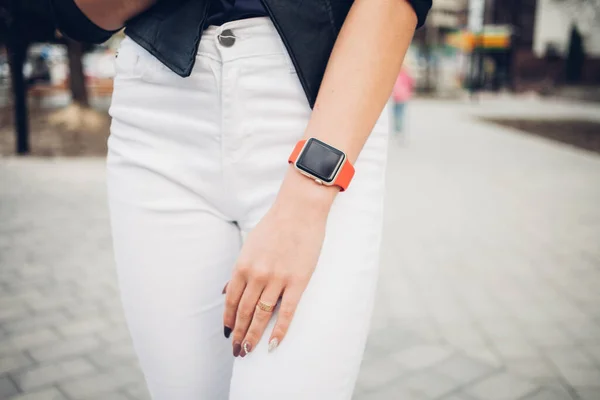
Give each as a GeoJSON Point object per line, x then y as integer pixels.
{"type": "Point", "coordinates": [226, 331]}
{"type": "Point", "coordinates": [237, 348]}
{"type": "Point", "coordinates": [273, 344]}
{"type": "Point", "coordinates": [247, 348]}
{"type": "Point", "coordinates": [225, 288]}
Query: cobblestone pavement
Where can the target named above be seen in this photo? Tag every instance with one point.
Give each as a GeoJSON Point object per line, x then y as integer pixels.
{"type": "Point", "coordinates": [490, 270]}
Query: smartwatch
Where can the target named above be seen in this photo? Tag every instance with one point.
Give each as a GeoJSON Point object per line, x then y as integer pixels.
{"type": "Point", "coordinates": [323, 163]}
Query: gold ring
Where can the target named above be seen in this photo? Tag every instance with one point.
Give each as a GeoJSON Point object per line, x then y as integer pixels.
{"type": "Point", "coordinates": [265, 307]}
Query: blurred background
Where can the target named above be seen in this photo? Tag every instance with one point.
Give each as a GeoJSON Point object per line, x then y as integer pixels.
{"type": "Point", "coordinates": [490, 282]}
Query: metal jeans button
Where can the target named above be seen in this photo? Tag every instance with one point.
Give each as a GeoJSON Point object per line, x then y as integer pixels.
{"type": "Point", "coordinates": [226, 38]}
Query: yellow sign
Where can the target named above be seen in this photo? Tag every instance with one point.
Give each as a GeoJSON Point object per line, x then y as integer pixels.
{"type": "Point", "coordinates": [492, 38]}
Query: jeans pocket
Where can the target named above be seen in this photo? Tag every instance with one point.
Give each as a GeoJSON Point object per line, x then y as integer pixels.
{"type": "Point", "coordinates": [288, 58]}
{"type": "Point", "coordinates": [127, 61]}
{"type": "Point", "coordinates": [134, 63]}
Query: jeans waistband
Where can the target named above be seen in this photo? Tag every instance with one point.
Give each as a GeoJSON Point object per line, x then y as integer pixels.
{"type": "Point", "coordinates": [244, 38]}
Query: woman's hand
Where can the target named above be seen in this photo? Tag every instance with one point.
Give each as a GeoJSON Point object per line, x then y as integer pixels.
{"type": "Point", "coordinates": [281, 253]}
{"type": "Point", "coordinates": [277, 261]}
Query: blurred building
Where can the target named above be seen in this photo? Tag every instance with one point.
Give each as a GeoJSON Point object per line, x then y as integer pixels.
{"type": "Point", "coordinates": [439, 66]}
{"type": "Point", "coordinates": [448, 14]}
{"type": "Point", "coordinates": [544, 45]}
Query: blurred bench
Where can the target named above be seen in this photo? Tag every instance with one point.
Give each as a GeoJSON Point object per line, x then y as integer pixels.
{"type": "Point", "coordinates": [42, 89]}
{"type": "Point", "coordinates": [96, 87]}
{"type": "Point", "coordinates": [100, 87]}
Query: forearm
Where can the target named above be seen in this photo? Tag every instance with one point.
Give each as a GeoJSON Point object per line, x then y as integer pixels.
{"type": "Point", "coordinates": [112, 14]}
{"type": "Point", "coordinates": [358, 81]}
{"type": "Point", "coordinates": [363, 67]}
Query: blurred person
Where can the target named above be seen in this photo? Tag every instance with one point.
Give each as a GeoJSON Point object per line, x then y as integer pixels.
{"type": "Point", "coordinates": [40, 68]}
{"type": "Point", "coordinates": [402, 93]}
{"type": "Point", "coordinates": [236, 120]}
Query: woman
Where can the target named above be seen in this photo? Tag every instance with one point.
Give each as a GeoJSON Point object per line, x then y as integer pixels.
{"type": "Point", "coordinates": [210, 101]}
{"type": "Point", "coordinates": [401, 94]}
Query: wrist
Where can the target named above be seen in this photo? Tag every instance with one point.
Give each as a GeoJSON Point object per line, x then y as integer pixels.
{"type": "Point", "coordinates": [298, 191]}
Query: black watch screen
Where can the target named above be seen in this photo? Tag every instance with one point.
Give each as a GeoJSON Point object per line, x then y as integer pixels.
{"type": "Point", "coordinates": [320, 160]}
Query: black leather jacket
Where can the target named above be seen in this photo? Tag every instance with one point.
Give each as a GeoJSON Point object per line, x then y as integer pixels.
{"type": "Point", "coordinates": [171, 31]}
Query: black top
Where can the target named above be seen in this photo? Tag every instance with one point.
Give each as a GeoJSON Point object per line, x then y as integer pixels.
{"type": "Point", "coordinates": [171, 29]}
{"type": "Point", "coordinates": [222, 11]}
{"type": "Point", "coordinates": [219, 12]}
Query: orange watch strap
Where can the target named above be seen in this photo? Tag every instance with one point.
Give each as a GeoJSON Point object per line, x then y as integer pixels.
{"type": "Point", "coordinates": [296, 152]}
{"type": "Point", "coordinates": [344, 176]}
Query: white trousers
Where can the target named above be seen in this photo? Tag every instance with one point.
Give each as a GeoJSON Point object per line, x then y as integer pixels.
{"type": "Point", "coordinates": [193, 164]}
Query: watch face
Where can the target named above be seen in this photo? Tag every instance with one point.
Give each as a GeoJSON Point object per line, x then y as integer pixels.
{"type": "Point", "coordinates": [320, 160]}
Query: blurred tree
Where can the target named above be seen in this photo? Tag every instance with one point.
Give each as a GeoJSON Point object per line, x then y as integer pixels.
{"type": "Point", "coordinates": [23, 22]}
{"type": "Point", "coordinates": [575, 57]}
{"type": "Point", "coordinates": [79, 92]}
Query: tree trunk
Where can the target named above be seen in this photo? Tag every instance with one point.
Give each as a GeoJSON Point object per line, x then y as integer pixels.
{"type": "Point", "coordinates": [17, 52]}
{"type": "Point", "coordinates": [76, 75]}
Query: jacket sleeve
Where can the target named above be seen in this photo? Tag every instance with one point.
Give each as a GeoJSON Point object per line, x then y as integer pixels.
{"type": "Point", "coordinates": [73, 23]}
{"type": "Point", "coordinates": [422, 8]}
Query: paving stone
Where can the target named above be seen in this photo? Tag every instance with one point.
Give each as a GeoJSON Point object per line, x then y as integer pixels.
{"type": "Point", "coordinates": [84, 326]}
{"type": "Point", "coordinates": [458, 396]}
{"type": "Point", "coordinates": [419, 357]}
{"type": "Point", "coordinates": [110, 396]}
{"type": "Point", "coordinates": [482, 354]}
{"type": "Point", "coordinates": [584, 332]}
{"type": "Point", "coordinates": [102, 383]}
{"type": "Point", "coordinates": [546, 394]}
{"type": "Point", "coordinates": [430, 384]}
{"type": "Point", "coordinates": [569, 357]}
{"type": "Point", "coordinates": [114, 334]}
{"type": "Point", "coordinates": [588, 393]}
{"type": "Point", "coordinates": [7, 388]}
{"type": "Point", "coordinates": [53, 373]}
{"type": "Point", "coordinates": [558, 386]}
{"type": "Point", "coordinates": [11, 313]}
{"type": "Point", "coordinates": [463, 369]}
{"type": "Point", "coordinates": [45, 394]}
{"type": "Point", "coordinates": [12, 362]}
{"type": "Point", "coordinates": [510, 350]}
{"type": "Point", "coordinates": [55, 303]}
{"type": "Point", "coordinates": [593, 351]}
{"type": "Point", "coordinates": [534, 368]}
{"type": "Point", "coordinates": [390, 339]}
{"type": "Point", "coordinates": [391, 392]}
{"type": "Point", "coordinates": [378, 373]}
{"type": "Point", "coordinates": [67, 347]}
{"type": "Point", "coordinates": [544, 335]}
{"type": "Point", "coordinates": [113, 354]}
{"type": "Point", "coordinates": [83, 310]}
{"type": "Point", "coordinates": [501, 386]}
{"type": "Point", "coordinates": [25, 340]}
{"type": "Point", "coordinates": [36, 321]}
{"type": "Point", "coordinates": [462, 336]}
{"type": "Point", "coordinates": [580, 376]}
{"type": "Point", "coordinates": [137, 391]}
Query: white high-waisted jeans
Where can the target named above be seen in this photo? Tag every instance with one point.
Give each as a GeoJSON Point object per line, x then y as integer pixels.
{"type": "Point", "coordinates": [193, 164]}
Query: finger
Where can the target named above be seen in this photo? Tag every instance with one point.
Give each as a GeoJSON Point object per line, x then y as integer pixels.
{"type": "Point", "coordinates": [245, 312]}
{"type": "Point", "coordinates": [287, 309]}
{"type": "Point", "coordinates": [234, 291]}
{"type": "Point", "coordinates": [261, 317]}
